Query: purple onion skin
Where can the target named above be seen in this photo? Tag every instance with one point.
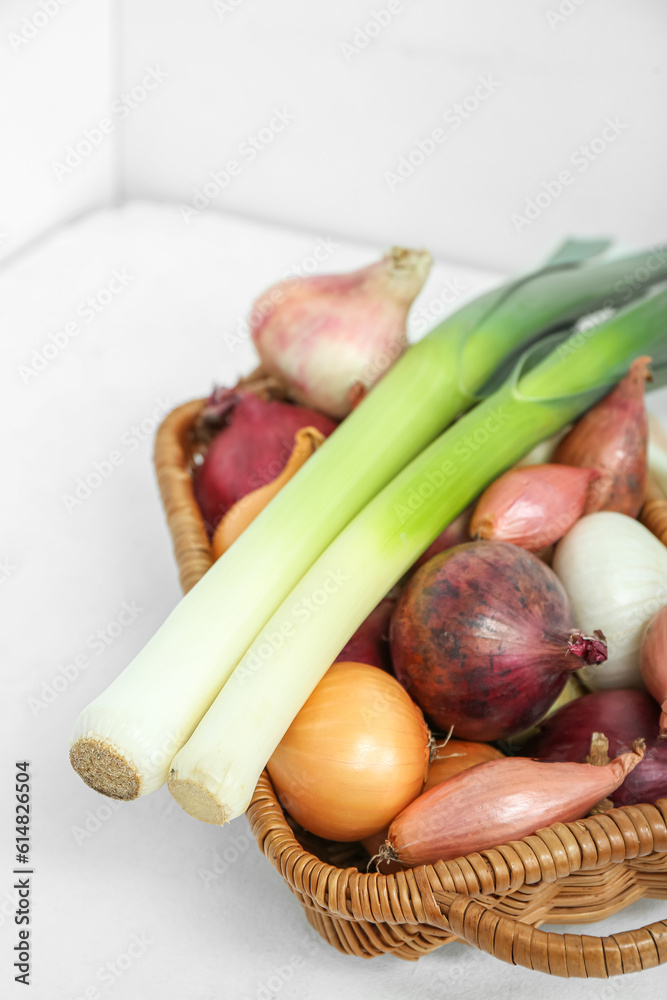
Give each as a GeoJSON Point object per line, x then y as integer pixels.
{"type": "Point", "coordinates": [623, 716]}
{"type": "Point", "coordinates": [456, 533]}
{"type": "Point", "coordinates": [250, 450]}
{"type": "Point", "coordinates": [370, 643]}
{"type": "Point", "coordinates": [479, 640]}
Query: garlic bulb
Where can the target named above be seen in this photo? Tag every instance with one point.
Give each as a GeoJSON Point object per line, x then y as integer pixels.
{"type": "Point", "coordinates": [615, 573]}
{"type": "Point", "coordinates": [329, 338]}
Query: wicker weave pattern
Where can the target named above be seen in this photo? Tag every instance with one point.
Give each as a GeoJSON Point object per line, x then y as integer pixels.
{"type": "Point", "coordinates": [570, 872]}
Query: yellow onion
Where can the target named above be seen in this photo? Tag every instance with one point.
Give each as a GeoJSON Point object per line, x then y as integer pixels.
{"type": "Point", "coordinates": [354, 756]}
{"type": "Point", "coordinates": [455, 756]}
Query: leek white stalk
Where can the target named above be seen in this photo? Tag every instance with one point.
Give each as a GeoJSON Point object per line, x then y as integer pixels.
{"type": "Point", "coordinates": [214, 775]}
{"type": "Point", "coordinates": [123, 742]}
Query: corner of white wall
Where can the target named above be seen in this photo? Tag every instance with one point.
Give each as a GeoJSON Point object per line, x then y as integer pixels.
{"type": "Point", "coordinates": [57, 78]}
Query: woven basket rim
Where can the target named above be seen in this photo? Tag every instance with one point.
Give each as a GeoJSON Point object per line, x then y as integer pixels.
{"type": "Point", "coordinates": [426, 897]}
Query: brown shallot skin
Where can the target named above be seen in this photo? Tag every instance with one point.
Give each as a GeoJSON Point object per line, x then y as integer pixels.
{"type": "Point", "coordinates": [612, 438]}
{"type": "Point", "coordinates": [653, 663]}
{"type": "Point", "coordinates": [532, 506]}
{"type": "Point", "coordinates": [498, 801]}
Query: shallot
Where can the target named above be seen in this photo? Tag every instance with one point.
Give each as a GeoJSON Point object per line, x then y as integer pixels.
{"type": "Point", "coordinates": [612, 438]}
{"type": "Point", "coordinates": [498, 801]}
{"type": "Point", "coordinates": [532, 506]}
{"type": "Point", "coordinates": [653, 663]}
{"type": "Point", "coordinates": [483, 639]}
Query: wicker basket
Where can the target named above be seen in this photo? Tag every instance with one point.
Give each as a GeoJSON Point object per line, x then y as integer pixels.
{"type": "Point", "coordinates": [495, 900]}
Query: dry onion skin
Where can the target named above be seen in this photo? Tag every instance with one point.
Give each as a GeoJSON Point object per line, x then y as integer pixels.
{"type": "Point", "coordinates": [355, 755]}
{"type": "Point", "coordinates": [456, 756]}
{"type": "Point", "coordinates": [446, 761]}
{"type": "Point", "coordinates": [653, 663]}
{"type": "Point", "coordinates": [499, 801]}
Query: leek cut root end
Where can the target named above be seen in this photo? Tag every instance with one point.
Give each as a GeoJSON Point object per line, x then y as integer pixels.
{"type": "Point", "coordinates": [197, 801]}
{"type": "Point", "coordinates": [104, 768]}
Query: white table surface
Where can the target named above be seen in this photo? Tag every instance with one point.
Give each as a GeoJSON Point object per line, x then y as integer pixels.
{"type": "Point", "coordinates": [142, 875]}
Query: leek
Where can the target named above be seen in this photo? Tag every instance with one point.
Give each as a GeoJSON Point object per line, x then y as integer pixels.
{"type": "Point", "coordinates": [214, 775]}
{"type": "Point", "coordinates": [124, 741]}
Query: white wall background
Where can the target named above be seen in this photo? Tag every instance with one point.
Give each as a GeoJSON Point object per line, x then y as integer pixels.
{"type": "Point", "coordinates": [359, 97]}
{"type": "Point", "coordinates": [57, 67]}
{"type": "Point", "coordinates": [356, 112]}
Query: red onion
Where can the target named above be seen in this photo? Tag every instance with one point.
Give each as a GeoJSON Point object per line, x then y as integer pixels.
{"type": "Point", "coordinates": [331, 337]}
{"type": "Point", "coordinates": [455, 533]}
{"type": "Point", "coordinates": [653, 663]}
{"type": "Point", "coordinates": [482, 639]}
{"type": "Point", "coordinates": [255, 440]}
{"type": "Point", "coordinates": [533, 506]}
{"type": "Point", "coordinates": [612, 438]}
{"type": "Point", "coordinates": [370, 643]}
{"type": "Point", "coordinates": [622, 715]}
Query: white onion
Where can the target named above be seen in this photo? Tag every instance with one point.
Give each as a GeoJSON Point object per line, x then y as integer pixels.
{"type": "Point", "coordinates": [615, 573]}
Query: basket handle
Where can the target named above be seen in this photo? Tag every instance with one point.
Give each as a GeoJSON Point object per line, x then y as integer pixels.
{"type": "Point", "coordinates": [567, 955]}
